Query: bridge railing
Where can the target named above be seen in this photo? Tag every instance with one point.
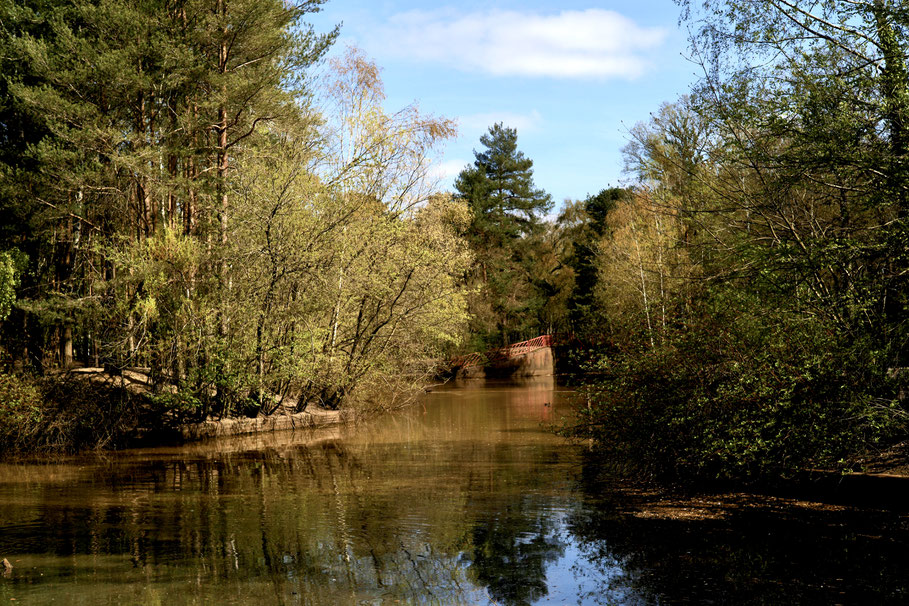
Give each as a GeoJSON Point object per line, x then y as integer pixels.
{"type": "Point", "coordinates": [503, 353]}
{"type": "Point", "coordinates": [516, 349]}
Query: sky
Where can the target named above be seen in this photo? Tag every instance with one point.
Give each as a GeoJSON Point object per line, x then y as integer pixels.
{"type": "Point", "coordinates": [572, 77]}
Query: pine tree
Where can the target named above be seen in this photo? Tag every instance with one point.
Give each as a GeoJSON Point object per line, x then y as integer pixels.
{"type": "Point", "coordinates": [507, 212]}
{"type": "Point", "coordinates": [125, 119]}
{"type": "Point", "coordinates": [500, 191]}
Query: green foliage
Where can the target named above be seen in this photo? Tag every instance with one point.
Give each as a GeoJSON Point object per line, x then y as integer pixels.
{"type": "Point", "coordinates": [188, 214]}
{"type": "Point", "coordinates": [584, 224]}
{"type": "Point", "coordinates": [755, 282]}
{"type": "Point", "coordinates": [183, 405]}
{"type": "Point", "coordinates": [21, 413]}
{"type": "Point", "coordinates": [11, 264]}
{"type": "Point", "coordinates": [507, 211]}
{"type": "Point", "coordinates": [500, 191]}
{"type": "Point", "coordinates": [66, 413]}
{"type": "Point", "coordinates": [741, 394]}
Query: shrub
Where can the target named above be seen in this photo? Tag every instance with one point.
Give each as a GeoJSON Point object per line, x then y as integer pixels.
{"type": "Point", "coordinates": [65, 414]}
{"type": "Point", "coordinates": [741, 397]}
{"type": "Point", "coordinates": [21, 411]}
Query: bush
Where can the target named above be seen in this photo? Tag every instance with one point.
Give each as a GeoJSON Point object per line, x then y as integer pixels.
{"type": "Point", "coordinates": [65, 414]}
{"type": "Point", "coordinates": [21, 411]}
{"type": "Point", "coordinates": [741, 397]}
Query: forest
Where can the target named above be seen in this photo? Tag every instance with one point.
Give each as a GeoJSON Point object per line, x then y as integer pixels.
{"type": "Point", "coordinates": [192, 188]}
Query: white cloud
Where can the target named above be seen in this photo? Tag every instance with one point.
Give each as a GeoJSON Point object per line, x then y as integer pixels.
{"type": "Point", "coordinates": [591, 43]}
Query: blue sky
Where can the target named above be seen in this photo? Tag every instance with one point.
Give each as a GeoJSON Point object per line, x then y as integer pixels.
{"type": "Point", "coordinates": [572, 77]}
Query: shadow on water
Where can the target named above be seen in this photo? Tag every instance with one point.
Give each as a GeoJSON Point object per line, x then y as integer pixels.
{"type": "Point", "coordinates": [738, 548]}
{"type": "Point", "coordinates": [468, 500]}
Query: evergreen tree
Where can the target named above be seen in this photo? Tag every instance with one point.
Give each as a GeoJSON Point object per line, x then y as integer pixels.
{"type": "Point", "coordinates": [585, 224]}
{"type": "Point", "coordinates": [122, 120]}
{"type": "Point", "coordinates": [500, 191]}
{"type": "Point", "coordinates": [507, 211]}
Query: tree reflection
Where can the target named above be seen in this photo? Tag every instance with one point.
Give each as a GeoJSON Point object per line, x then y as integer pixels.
{"type": "Point", "coordinates": [647, 548]}
{"type": "Point", "coordinates": [510, 552]}
{"type": "Point", "coordinates": [424, 508]}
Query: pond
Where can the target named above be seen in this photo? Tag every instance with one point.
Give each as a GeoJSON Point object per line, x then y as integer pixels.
{"type": "Point", "coordinates": [465, 498]}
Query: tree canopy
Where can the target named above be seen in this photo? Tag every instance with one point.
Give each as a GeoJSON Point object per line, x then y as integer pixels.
{"type": "Point", "coordinates": [507, 213]}
{"type": "Point", "coordinates": [182, 195]}
{"type": "Point", "coordinates": [755, 279]}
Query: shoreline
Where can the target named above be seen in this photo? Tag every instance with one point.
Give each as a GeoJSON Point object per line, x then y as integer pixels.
{"type": "Point", "coordinates": [136, 381]}
{"type": "Point", "coordinates": [881, 480]}
{"type": "Point", "coordinates": [280, 421]}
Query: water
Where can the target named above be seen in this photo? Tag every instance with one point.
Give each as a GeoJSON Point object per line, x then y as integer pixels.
{"type": "Point", "coordinates": [466, 499]}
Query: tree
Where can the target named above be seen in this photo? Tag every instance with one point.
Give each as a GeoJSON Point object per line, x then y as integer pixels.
{"type": "Point", "coordinates": [129, 117]}
{"type": "Point", "coordinates": [642, 266]}
{"type": "Point", "coordinates": [10, 268]}
{"type": "Point", "coordinates": [348, 260]}
{"type": "Point", "coordinates": [506, 212]}
{"type": "Point", "coordinates": [583, 225]}
{"type": "Point", "coordinates": [809, 103]}
{"type": "Point", "coordinates": [780, 187]}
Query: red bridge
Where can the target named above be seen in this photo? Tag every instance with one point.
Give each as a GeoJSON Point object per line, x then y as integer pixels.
{"type": "Point", "coordinates": [527, 358]}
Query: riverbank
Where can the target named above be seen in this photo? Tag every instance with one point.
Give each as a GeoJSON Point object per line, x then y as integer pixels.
{"type": "Point", "coordinates": [879, 481]}
{"type": "Point", "coordinates": [97, 410]}
{"type": "Point", "coordinates": [283, 420]}
{"type": "Point", "coordinates": [88, 409]}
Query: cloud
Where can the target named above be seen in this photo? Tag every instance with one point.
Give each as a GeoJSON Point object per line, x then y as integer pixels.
{"type": "Point", "coordinates": [591, 43]}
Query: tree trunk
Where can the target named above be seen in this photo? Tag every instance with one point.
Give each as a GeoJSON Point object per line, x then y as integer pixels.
{"type": "Point", "coordinates": [223, 164]}
{"type": "Point", "coordinates": [894, 83]}
{"type": "Point", "coordinates": [66, 346]}
{"type": "Point", "coordinates": [637, 246]}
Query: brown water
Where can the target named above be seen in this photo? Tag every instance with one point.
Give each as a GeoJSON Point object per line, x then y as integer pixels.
{"type": "Point", "coordinates": [466, 499]}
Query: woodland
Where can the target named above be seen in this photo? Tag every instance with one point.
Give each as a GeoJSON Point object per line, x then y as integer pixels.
{"type": "Point", "coordinates": [193, 189]}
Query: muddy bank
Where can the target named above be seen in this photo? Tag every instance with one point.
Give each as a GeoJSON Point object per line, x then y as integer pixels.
{"type": "Point", "coordinates": [137, 383]}
{"type": "Point", "coordinates": [281, 421]}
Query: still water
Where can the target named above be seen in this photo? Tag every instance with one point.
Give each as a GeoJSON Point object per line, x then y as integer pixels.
{"type": "Point", "coordinates": [467, 498]}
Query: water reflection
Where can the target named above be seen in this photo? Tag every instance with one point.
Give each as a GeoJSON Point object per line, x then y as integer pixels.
{"type": "Point", "coordinates": [737, 549]}
{"type": "Point", "coordinates": [510, 550]}
{"type": "Point", "coordinates": [385, 512]}
{"type": "Point", "coordinates": [470, 500]}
